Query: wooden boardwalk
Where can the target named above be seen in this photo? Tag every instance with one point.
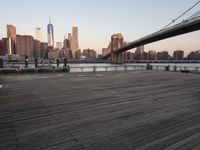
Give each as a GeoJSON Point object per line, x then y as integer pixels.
{"type": "Point", "coordinates": [145, 110]}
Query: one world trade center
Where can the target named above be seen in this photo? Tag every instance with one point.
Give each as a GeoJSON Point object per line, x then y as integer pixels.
{"type": "Point", "coordinates": [50, 34]}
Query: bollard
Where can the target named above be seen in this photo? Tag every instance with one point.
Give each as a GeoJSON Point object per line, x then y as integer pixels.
{"type": "Point", "coordinates": [26, 61]}
{"type": "Point", "coordinates": [36, 63]}
{"type": "Point", "coordinates": [65, 62]}
{"type": "Point", "coordinates": [1, 63]}
{"type": "Point", "coordinates": [57, 62]}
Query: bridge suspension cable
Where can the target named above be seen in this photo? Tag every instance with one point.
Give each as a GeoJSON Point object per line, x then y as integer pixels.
{"type": "Point", "coordinates": [194, 15]}
{"type": "Point", "coordinates": [174, 20]}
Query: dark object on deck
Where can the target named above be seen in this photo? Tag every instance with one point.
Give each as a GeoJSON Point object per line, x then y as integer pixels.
{"type": "Point", "coordinates": [149, 67]}
{"type": "Point", "coordinates": [185, 71]}
{"type": "Point", "coordinates": [167, 68]}
{"type": "Point", "coordinates": [1, 63]}
{"type": "Point", "coordinates": [66, 69]}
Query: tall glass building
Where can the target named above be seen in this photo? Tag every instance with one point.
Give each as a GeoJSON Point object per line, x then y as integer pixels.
{"type": "Point", "coordinates": [50, 34]}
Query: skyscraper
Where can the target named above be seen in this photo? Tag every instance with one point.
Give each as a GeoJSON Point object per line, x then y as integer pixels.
{"type": "Point", "coordinates": [164, 55]}
{"type": "Point", "coordinates": [5, 46]}
{"type": "Point", "coordinates": [11, 35]}
{"type": "Point", "coordinates": [140, 49]}
{"type": "Point", "coordinates": [106, 50]}
{"type": "Point", "coordinates": [178, 55]}
{"type": "Point", "coordinates": [11, 32]}
{"type": "Point", "coordinates": [38, 34]}
{"type": "Point", "coordinates": [50, 34]}
{"type": "Point", "coordinates": [36, 48]}
{"type": "Point", "coordinates": [73, 41]}
{"type": "Point", "coordinates": [75, 45]}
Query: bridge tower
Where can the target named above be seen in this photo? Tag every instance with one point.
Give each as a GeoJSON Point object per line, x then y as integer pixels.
{"type": "Point", "coordinates": [116, 43]}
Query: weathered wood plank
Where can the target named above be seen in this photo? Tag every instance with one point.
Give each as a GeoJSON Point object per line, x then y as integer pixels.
{"type": "Point", "coordinates": [124, 110]}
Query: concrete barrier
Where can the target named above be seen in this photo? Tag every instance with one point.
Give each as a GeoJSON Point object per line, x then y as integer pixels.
{"type": "Point", "coordinates": [62, 69]}
{"type": "Point", "coordinates": [8, 70]}
{"type": "Point", "coordinates": [27, 70]}
{"type": "Point", "coordinates": [45, 69]}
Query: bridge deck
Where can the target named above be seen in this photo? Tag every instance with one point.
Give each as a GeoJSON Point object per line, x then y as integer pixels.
{"type": "Point", "coordinates": [100, 111]}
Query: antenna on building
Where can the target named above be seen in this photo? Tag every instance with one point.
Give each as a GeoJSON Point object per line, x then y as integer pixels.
{"type": "Point", "coordinates": [49, 19]}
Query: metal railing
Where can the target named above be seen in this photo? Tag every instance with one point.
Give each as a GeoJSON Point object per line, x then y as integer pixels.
{"type": "Point", "coordinates": [136, 67]}
{"type": "Point", "coordinates": [106, 68]}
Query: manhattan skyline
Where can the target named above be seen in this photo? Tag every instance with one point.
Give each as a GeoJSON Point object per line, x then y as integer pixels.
{"type": "Point", "coordinates": [98, 20]}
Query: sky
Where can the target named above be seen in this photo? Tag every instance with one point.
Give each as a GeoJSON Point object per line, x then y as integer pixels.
{"type": "Point", "coordinates": [97, 20]}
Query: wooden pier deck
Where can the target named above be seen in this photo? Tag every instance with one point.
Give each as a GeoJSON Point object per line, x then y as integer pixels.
{"type": "Point", "coordinates": [144, 110]}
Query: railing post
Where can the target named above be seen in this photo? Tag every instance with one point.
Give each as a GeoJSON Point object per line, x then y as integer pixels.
{"type": "Point", "coordinates": [26, 61]}
{"type": "Point", "coordinates": [175, 68]}
{"type": "Point", "coordinates": [94, 68]}
{"type": "Point", "coordinates": [65, 62]}
{"type": "Point", "coordinates": [1, 63]}
{"type": "Point", "coordinates": [125, 68]}
{"type": "Point", "coordinates": [36, 63]}
{"type": "Point", "coordinates": [185, 68]}
{"type": "Point", "coordinates": [197, 69]}
{"type": "Point", "coordinates": [106, 68]}
{"type": "Point", "coordinates": [156, 67]}
{"type": "Point", "coordinates": [115, 68]}
{"type": "Point", "coordinates": [57, 62]}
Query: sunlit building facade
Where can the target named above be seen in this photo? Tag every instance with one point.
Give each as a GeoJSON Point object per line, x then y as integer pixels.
{"type": "Point", "coordinates": [11, 32]}
{"type": "Point", "coordinates": [24, 45]}
{"type": "Point", "coordinates": [38, 34]}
